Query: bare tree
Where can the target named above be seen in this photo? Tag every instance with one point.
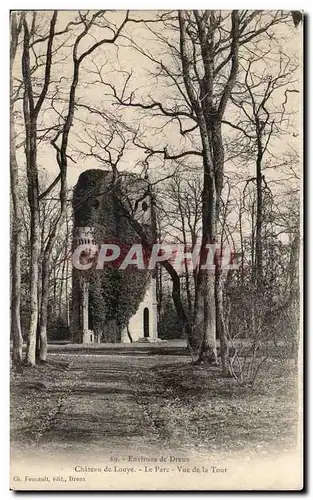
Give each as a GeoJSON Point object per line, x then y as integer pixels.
{"type": "Point", "coordinates": [181, 222]}
{"type": "Point", "coordinates": [33, 102]}
{"type": "Point", "coordinates": [16, 334]}
{"type": "Point", "coordinates": [262, 98]}
{"type": "Point", "coordinates": [108, 144]}
{"type": "Point", "coordinates": [201, 69]}
{"type": "Point", "coordinates": [202, 73]}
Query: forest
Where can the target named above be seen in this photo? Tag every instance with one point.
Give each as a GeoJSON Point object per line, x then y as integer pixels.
{"type": "Point", "coordinates": [204, 106]}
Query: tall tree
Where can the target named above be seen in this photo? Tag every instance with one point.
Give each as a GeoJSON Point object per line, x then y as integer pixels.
{"type": "Point", "coordinates": [16, 334]}
{"type": "Point", "coordinates": [181, 221]}
{"type": "Point", "coordinates": [262, 97]}
{"type": "Point", "coordinates": [201, 70]}
{"type": "Point", "coordinates": [31, 109]}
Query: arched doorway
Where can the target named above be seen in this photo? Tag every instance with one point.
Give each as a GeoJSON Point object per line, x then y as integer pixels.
{"type": "Point", "coordinates": [146, 322]}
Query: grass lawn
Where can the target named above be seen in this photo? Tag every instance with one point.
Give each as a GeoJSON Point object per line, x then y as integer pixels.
{"type": "Point", "coordinates": [151, 397]}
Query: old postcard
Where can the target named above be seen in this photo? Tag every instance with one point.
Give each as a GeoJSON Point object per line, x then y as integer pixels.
{"type": "Point", "coordinates": [156, 250]}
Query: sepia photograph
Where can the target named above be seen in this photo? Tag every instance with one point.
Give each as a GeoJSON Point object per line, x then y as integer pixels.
{"type": "Point", "coordinates": [156, 250]}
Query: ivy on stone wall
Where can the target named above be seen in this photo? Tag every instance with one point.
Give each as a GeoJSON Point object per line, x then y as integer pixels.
{"type": "Point", "coordinates": [114, 295]}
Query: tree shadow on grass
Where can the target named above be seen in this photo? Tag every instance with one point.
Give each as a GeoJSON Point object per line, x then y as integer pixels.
{"type": "Point", "coordinates": [103, 390]}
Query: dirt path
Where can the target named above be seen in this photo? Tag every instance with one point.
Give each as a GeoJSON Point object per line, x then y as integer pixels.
{"type": "Point", "coordinates": [122, 410]}
{"type": "Point", "coordinates": [102, 403]}
{"type": "Point", "coordinates": [113, 401]}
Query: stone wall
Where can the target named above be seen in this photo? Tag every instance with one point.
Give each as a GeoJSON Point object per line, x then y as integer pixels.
{"type": "Point", "coordinates": [111, 305]}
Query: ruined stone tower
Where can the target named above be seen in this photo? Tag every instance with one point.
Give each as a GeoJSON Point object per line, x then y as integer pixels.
{"type": "Point", "coordinates": [110, 305]}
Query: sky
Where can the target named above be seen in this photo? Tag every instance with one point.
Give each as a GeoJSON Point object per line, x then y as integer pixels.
{"type": "Point", "coordinates": [117, 58]}
{"type": "Point", "coordinates": [116, 63]}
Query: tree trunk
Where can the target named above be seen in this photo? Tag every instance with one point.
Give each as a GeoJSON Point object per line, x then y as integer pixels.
{"type": "Point", "coordinates": [44, 307]}
{"type": "Point", "coordinates": [204, 297]}
{"type": "Point", "coordinates": [218, 158]}
{"type": "Point", "coordinates": [54, 290]}
{"type": "Point", "coordinates": [242, 252]}
{"type": "Point", "coordinates": [220, 319]}
{"type": "Point", "coordinates": [38, 336]}
{"type": "Point", "coordinates": [62, 268]}
{"type": "Point", "coordinates": [294, 294]}
{"type": "Point", "coordinates": [16, 332]}
{"type": "Point", "coordinates": [45, 283]}
{"type": "Point", "coordinates": [259, 213]}
{"type": "Point", "coordinates": [212, 189]}
{"type": "Point", "coordinates": [182, 218]}
{"type": "Point", "coordinates": [176, 295]}
{"type": "Point", "coordinates": [67, 302]}
{"type": "Point", "coordinates": [30, 121]}
{"type": "Point", "coordinates": [39, 290]}
{"type": "Point", "coordinates": [159, 291]}
{"type": "Point", "coordinates": [208, 350]}
{"type": "Point", "coordinates": [34, 241]}
{"type": "Point", "coordinates": [61, 287]}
